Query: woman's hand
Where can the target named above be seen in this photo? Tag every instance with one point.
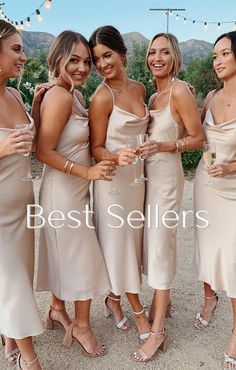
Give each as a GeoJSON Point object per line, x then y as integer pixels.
{"type": "Point", "coordinates": [149, 149]}
{"type": "Point", "coordinates": [18, 142]}
{"type": "Point", "coordinates": [40, 90]}
{"type": "Point", "coordinates": [102, 171]}
{"type": "Point", "coordinates": [125, 156]}
{"type": "Point", "coordinates": [220, 170]}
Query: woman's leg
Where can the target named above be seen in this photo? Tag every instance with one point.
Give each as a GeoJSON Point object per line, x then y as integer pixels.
{"type": "Point", "coordinates": [82, 330]}
{"type": "Point", "coordinates": [139, 313]}
{"type": "Point", "coordinates": [28, 356]}
{"type": "Point", "coordinates": [11, 349]}
{"type": "Point", "coordinates": [210, 303]}
{"type": "Point", "coordinates": [113, 302]}
{"type": "Point", "coordinates": [156, 339]}
{"type": "Point", "coordinates": [57, 313]}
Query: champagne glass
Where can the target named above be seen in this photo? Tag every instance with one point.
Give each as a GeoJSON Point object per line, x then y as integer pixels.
{"type": "Point", "coordinates": [209, 156]}
{"type": "Point", "coordinates": [111, 156]}
{"type": "Point", "coordinates": [142, 138]}
{"type": "Point", "coordinates": [27, 177]}
{"type": "Point", "coordinates": [132, 142]}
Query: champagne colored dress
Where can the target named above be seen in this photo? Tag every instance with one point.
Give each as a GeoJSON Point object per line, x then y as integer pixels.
{"type": "Point", "coordinates": [121, 244]}
{"type": "Point", "coordinates": [19, 316]}
{"type": "Point", "coordinates": [214, 259]}
{"type": "Point", "coordinates": [164, 191]}
{"type": "Point", "coordinates": [71, 264]}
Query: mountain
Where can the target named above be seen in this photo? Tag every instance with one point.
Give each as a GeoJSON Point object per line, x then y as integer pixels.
{"type": "Point", "coordinates": [36, 40]}
{"type": "Point", "coordinates": [190, 49]}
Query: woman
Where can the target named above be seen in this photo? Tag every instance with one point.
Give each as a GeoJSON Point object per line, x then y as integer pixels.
{"type": "Point", "coordinates": [71, 265]}
{"type": "Point", "coordinates": [117, 112]}
{"type": "Point", "coordinates": [171, 131]}
{"type": "Point", "coordinates": [215, 253]}
{"type": "Point", "coordinates": [19, 319]}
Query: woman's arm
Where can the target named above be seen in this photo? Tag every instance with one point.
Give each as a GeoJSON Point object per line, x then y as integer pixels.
{"type": "Point", "coordinates": [185, 112]}
{"type": "Point", "coordinates": [55, 112]}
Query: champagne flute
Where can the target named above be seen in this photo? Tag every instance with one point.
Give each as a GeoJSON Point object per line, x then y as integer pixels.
{"type": "Point", "coordinates": [209, 156]}
{"type": "Point", "coordinates": [27, 177]}
{"type": "Point", "coordinates": [132, 142]}
{"type": "Point", "coordinates": [111, 156]}
{"type": "Point", "coordinates": [142, 138]}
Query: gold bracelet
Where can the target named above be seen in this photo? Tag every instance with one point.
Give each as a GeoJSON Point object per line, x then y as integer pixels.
{"type": "Point", "coordinates": [66, 165]}
{"type": "Point", "coordinates": [177, 146]}
{"type": "Point", "coordinates": [71, 167]}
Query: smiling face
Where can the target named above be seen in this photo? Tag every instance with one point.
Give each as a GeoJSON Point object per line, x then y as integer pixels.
{"type": "Point", "coordinates": [224, 61]}
{"type": "Point", "coordinates": [12, 56]}
{"type": "Point", "coordinates": [108, 62]}
{"type": "Point", "coordinates": [78, 67]}
{"type": "Point", "coordinates": [159, 59]}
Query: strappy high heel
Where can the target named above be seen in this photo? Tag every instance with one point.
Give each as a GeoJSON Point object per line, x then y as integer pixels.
{"type": "Point", "coordinates": [142, 356]}
{"type": "Point", "coordinates": [142, 336]}
{"type": "Point", "coordinates": [228, 359]}
{"type": "Point", "coordinates": [29, 364]}
{"type": "Point", "coordinates": [10, 356]}
{"type": "Point", "coordinates": [202, 323]}
{"type": "Point", "coordinates": [49, 322]}
{"type": "Point", "coordinates": [124, 323]}
{"type": "Point", "coordinates": [68, 339]}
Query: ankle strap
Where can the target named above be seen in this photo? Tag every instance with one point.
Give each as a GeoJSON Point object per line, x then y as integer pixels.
{"type": "Point", "coordinates": [113, 299]}
{"type": "Point", "coordinates": [160, 332]}
{"type": "Point", "coordinates": [214, 296]}
{"type": "Point", "coordinates": [138, 313]}
{"type": "Point", "coordinates": [30, 362]}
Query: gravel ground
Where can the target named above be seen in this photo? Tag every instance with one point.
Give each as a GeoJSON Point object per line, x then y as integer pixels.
{"type": "Point", "coordinates": [188, 348]}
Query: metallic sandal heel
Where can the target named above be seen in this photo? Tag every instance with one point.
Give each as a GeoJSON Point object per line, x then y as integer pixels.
{"type": "Point", "coordinates": [142, 336]}
{"type": "Point", "coordinates": [124, 323]}
{"type": "Point", "coordinates": [201, 323]}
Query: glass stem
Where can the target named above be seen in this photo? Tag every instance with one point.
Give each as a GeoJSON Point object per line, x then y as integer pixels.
{"type": "Point", "coordinates": [135, 176]}
{"type": "Point", "coordinates": [142, 167]}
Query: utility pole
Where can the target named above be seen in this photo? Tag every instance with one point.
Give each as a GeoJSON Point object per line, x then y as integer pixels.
{"type": "Point", "coordinates": [167, 11]}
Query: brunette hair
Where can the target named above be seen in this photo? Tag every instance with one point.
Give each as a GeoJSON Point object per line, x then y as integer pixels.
{"type": "Point", "coordinates": [175, 49]}
{"type": "Point", "coordinates": [232, 37]}
{"type": "Point", "coordinates": [6, 30]}
{"type": "Point", "coordinates": [62, 49]}
{"type": "Point", "coordinates": [110, 37]}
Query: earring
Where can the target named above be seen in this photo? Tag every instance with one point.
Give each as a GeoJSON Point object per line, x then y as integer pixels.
{"type": "Point", "coordinates": [0, 69]}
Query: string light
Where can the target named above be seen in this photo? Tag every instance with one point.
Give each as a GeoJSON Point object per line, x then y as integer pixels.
{"type": "Point", "coordinates": [48, 4]}
{"type": "Point", "coordinates": [205, 24]}
{"type": "Point", "coordinates": [20, 24]}
{"type": "Point", "coordinates": [38, 15]}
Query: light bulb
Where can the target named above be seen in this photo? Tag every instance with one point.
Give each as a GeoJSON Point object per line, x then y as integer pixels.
{"type": "Point", "coordinates": [39, 16]}
{"type": "Point", "coordinates": [48, 4]}
{"type": "Point", "coordinates": [28, 24]}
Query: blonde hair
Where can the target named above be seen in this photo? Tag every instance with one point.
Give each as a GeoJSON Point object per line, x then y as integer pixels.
{"type": "Point", "coordinates": [175, 52]}
{"type": "Point", "coordinates": [6, 30]}
{"type": "Point", "coordinates": [62, 48]}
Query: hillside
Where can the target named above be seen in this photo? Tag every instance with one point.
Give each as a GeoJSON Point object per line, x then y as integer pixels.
{"type": "Point", "coordinates": [190, 49]}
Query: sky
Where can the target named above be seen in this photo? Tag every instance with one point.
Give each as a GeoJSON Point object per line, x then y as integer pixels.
{"type": "Point", "coordinates": [85, 16]}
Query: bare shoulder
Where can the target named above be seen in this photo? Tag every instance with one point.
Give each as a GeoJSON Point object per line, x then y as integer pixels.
{"type": "Point", "coordinates": [209, 97]}
{"type": "Point", "coordinates": [151, 99]}
{"type": "Point", "coordinates": [58, 95]}
{"type": "Point", "coordinates": [180, 88]}
{"type": "Point", "coordinates": [102, 96]}
{"type": "Point", "coordinates": [140, 87]}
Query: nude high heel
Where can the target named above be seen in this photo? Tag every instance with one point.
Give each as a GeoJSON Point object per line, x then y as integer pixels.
{"type": "Point", "coordinates": [98, 351]}
{"type": "Point", "coordinates": [142, 356]}
{"type": "Point", "coordinates": [28, 364]}
{"type": "Point", "coordinates": [50, 323]}
{"type": "Point", "coordinates": [10, 356]}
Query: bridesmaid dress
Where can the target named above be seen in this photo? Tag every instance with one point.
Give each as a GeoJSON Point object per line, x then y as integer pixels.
{"type": "Point", "coordinates": [71, 264]}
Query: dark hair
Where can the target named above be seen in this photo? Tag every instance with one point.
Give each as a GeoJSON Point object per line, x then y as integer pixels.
{"type": "Point", "coordinates": [62, 48]}
{"type": "Point", "coordinates": [232, 37]}
{"type": "Point", "coordinates": [110, 37]}
{"type": "Point", "coordinates": [6, 30]}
